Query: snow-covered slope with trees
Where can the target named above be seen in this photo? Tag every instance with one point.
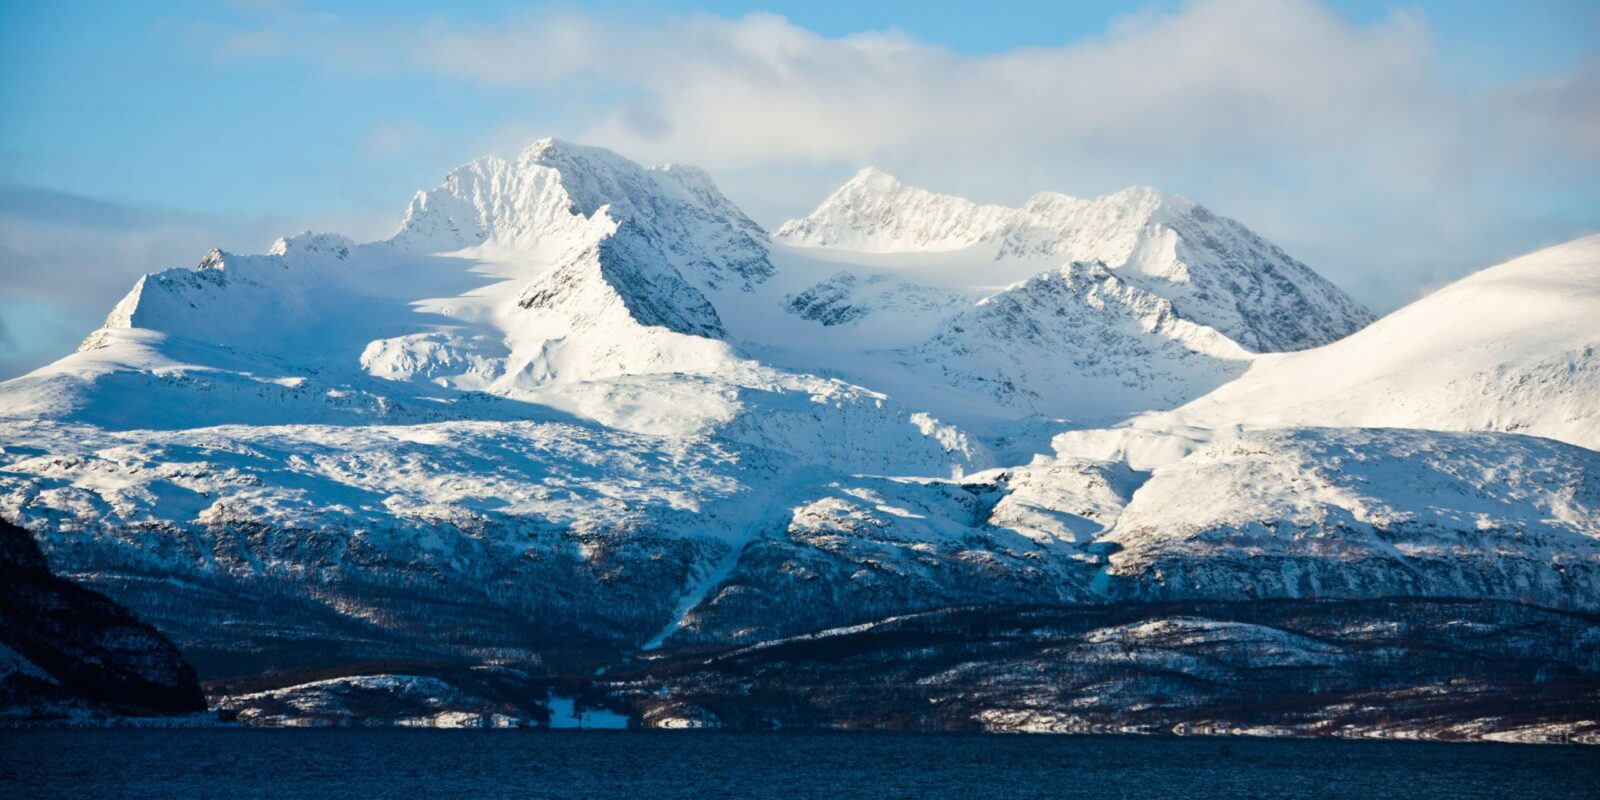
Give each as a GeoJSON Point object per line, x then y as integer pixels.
{"type": "Point", "coordinates": [1360, 512]}
{"type": "Point", "coordinates": [70, 655]}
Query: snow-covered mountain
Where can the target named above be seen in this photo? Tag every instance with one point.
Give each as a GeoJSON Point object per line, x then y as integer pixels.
{"type": "Point", "coordinates": [557, 190]}
{"type": "Point", "coordinates": [875, 213]}
{"type": "Point", "coordinates": [1079, 341]}
{"type": "Point", "coordinates": [578, 403]}
{"type": "Point", "coordinates": [1213, 269]}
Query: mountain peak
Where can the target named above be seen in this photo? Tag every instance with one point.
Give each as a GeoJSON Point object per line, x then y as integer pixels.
{"type": "Point", "coordinates": [1217, 271]}
{"type": "Point", "coordinates": [307, 242]}
{"type": "Point", "coordinates": [552, 189]}
{"type": "Point", "coordinates": [541, 148]}
{"type": "Point", "coordinates": [1144, 193]}
{"type": "Point", "coordinates": [1133, 203]}
{"type": "Point", "coordinates": [1149, 200]}
{"type": "Point", "coordinates": [857, 216]}
{"type": "Point", "coordinates": [875, 212]}
{"type": "Point", "coordinates": [874, 179]}
{"type": "Point", "coordinates": [570, 196]}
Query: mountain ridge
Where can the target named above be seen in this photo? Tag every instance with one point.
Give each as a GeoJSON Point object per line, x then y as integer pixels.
{"type": "Point", "coordinates": [73, 656]}
{"type": "Point", "coordinates": [576, 402]}
{"type": "Point", "coordinates": [1217, 271]}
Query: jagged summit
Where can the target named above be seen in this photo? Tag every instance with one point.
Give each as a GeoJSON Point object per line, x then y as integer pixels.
{"type": "Point", "coordinates": [559, 194]}
{"type": "Point", "coordinates": [875, 212]}
{"type": "Point", "coordinates": [538, 192]}
{"type": "Point", "coordinates": [1215, 270]}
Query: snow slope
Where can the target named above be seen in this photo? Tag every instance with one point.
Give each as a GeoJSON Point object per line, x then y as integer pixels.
{"type": "Point", "coordinates": [1079, 341]}
{"type": "Point", "coordinates": [1515, 347]}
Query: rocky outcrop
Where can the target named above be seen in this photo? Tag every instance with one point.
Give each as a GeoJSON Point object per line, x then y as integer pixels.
{"type": "Point", "coordinates": [71, 654]}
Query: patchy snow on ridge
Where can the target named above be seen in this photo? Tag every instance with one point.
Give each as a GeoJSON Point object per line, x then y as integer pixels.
{"type": "Point", "coordinates": [1342, 513]}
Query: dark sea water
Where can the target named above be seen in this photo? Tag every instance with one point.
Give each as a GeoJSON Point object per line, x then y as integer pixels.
{"type": "Point", "coordinates": [238, 764]}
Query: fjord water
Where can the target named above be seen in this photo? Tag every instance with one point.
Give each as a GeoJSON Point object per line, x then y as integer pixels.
{"type": "Point", "coordinates": [384, 763]}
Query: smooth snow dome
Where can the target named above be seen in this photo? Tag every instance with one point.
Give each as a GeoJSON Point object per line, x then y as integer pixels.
{"type": "Point", "coordinates": [1512, 348]}
{"type": "Point", "coordinates": [573, 387]}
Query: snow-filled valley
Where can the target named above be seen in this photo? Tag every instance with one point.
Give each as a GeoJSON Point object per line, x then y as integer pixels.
{"type": "Point", "coordinates": [575, 404]}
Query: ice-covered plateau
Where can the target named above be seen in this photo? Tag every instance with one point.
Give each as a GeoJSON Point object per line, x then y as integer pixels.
{"type": "Point", "coordinates": [574, 404]}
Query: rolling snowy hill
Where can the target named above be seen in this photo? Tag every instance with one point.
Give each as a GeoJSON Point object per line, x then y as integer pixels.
{"type": "Point", "coordinates": [1515, 348]}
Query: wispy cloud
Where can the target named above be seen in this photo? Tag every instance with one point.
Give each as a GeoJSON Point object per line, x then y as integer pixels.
{"type": "Point", "coordinates": [1316, 130]}
{"type": "Point", "coordinates": [1218, 79]}
{"type": "Point", "coordinates": [67, 259]}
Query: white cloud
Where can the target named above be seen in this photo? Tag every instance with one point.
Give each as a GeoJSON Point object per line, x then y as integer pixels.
{"type": "Point", "coordinates": [1225, 80]}
{"type": "Point", "coordinates": [1339, 140]}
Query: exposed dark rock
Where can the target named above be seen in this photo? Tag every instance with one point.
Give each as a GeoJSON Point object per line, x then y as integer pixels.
{"type": "Point", "coordinates": [70, 653]}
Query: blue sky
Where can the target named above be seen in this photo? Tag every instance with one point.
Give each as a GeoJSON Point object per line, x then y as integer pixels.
{"type": "Point", "coordinates": [1392, 146]}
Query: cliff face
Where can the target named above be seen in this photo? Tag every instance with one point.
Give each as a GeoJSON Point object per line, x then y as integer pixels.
{"type": "Point", "coordinates": [69, 653]}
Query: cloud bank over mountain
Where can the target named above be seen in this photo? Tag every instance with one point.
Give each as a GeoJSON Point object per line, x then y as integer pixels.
{"type": "Point", "coordinates": [1354, 143]}
{"type": "Point", "coordinates": [1280, 111]}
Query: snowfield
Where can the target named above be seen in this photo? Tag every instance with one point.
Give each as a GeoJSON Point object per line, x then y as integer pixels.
{"type": "Point", "coordinates": [1514, 348]}
{"type": "Point", "coordinates": [575, 400]}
